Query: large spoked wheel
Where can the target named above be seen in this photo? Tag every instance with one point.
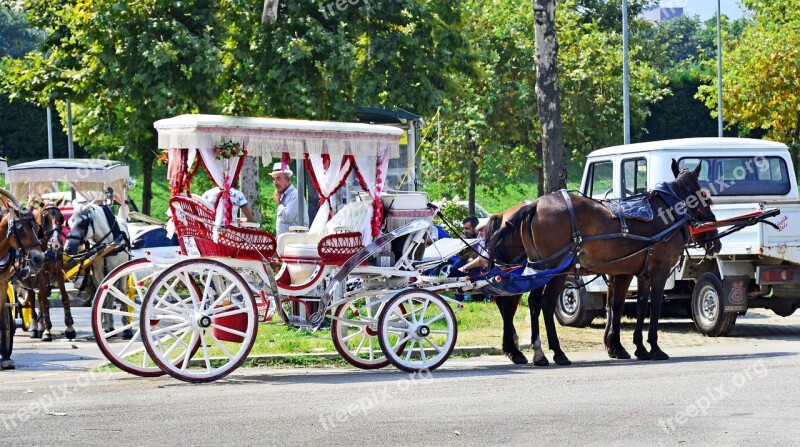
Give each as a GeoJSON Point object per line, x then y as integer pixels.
{"type": "Point", "coordinates": [423, 324]}
{"type": "Point", "coordinates": [115, 317]}
{"type": "Point", "coordinates": [202, 310]}
{"type": "Point", "coordinates": [354, 330]}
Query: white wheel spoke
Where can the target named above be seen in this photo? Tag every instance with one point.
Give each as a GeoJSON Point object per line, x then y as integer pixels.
{"type": "Point", "coordinates": [440, 331]}
{"type": "Point", "coordinates": [222, 348]}
{"type": "Point", "coordinates": [192, 342]}
{"type": "Point", "coordinates": [434, 345]}
{"type": "Point", "coordinates": [354, 334]}
{"type": "Point", "coordinates": [233, 312]}
{"type": "Point", "coordinates": [424, 309]}
{"type": "Point", "coordinates": [121, 313]}
{"type": "Point", "coordinates": [360, 345]}
{"type": "Point", "coordinates": [171, 328]}
{"type": "Point", "coordinates": [205, 353]}
{"type": "Point", "coordinates": [410, 350]}
{"type": "Point", "coordinates": [435, 319]}
{"type": "Point", "coordinates": [227, 329]}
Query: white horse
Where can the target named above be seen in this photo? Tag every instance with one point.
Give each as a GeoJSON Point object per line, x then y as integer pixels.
{"type": "Point", "coordinates": [96, 224]}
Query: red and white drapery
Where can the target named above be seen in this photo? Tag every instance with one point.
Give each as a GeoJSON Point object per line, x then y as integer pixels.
{"type": "Point", "coordinates": [328, 172]}
{"type": "Point", "coordinates": [223, 172]}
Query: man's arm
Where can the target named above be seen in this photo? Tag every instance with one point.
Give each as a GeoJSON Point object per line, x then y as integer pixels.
{"type": "Point", "coordinates": [288, 212]}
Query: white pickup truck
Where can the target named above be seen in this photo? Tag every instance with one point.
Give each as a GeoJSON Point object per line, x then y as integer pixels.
{"type": "Point", "coordinates": [758, 266]}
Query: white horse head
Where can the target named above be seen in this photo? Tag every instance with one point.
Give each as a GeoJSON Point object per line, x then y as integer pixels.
{"type": "Point", "coordinates": [89, 223]}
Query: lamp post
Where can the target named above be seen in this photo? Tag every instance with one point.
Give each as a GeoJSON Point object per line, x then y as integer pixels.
{"type": "Point", "coordinates": [626, 100]}
{"type": "Point", "coordinates": [719, 70]}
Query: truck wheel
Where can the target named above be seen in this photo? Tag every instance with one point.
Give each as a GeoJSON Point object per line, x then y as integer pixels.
{"type": "Point", "coordinates": [707, 307]}
{"type": "Point", "coordinates": [784, 308]}
{"type": "Point", "coordinates": [573, 306]}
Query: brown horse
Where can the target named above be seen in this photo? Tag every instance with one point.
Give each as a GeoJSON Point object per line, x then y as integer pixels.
{"type": "Point", "coordinates": [20, 255]}
{"type": "Point", "coordinates": [51, 222]}
{"type": "Point", "coordinates": [559, 225]}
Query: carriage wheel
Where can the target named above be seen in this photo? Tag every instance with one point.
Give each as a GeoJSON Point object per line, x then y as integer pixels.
{"type": "Point", "coordinates": [115, 317]}
{"type": "Point", "coordinates": [23, 311]}
{"type": "Point", "coordinates": [355, 329]}
{"type": "Point", "coordinates": [424, 324]}
{"type": "Point", "coordinates": [202, 308]}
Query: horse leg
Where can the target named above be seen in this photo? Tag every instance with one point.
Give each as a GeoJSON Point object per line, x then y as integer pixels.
{"type": "Point", "coordinates": [618, 289]}
{"type": "Point", "coordinates": [6, 337]}
{"type": "Point", "coordinates": [535, 305]}
{"type": "Point", "coordinates": [44, 293]}
{"type": "Point", "coordinates": [69, 322]}
{"type": "Point", "coordinates": [552, 291]}
{"type": "Point", "coordinates": [655, 313]}
{"type": "Point", "coordinates": [30, 301]}
{"type": "Point", "coordinates": [508, 308]}
{"type": "Point", "coordinates": [642, 299]}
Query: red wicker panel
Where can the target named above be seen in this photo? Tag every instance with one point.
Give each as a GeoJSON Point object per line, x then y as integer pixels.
{"type": "Point", "coordinates": [194, 220]}
{"type": "Point", "coordinates": [338, 248]}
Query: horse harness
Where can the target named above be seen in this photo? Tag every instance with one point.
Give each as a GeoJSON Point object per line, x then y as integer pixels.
{"type": "Point", "coordinates": [670, 198]}
{"type": "Point", "coordinates": [18, 257]}
{"type": "Point", "coordinates": [116, 233]}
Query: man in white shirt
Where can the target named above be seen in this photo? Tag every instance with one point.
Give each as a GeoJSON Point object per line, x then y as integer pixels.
{"type": "Point", "coordinates": [286, 198]}
{"type": "Point", "coordinates": [238, 200]}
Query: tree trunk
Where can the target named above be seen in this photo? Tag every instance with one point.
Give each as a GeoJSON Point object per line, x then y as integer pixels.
{"type": "Point", "coordinates": [539, 171]}
{"type": "Point", "coordinates": [270, 13]}
{"type": "Point", "coordinates": [248, 184]}
{"type": "Point", "coordinates": [147, 188]}
{"type": "Point", "coordinates": [473, 175]}
{"type": "Point", "coordinates": [553, 162]}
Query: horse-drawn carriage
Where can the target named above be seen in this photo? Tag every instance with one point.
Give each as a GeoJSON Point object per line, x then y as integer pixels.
{"type": "Point", "coordinates": [358, 263]}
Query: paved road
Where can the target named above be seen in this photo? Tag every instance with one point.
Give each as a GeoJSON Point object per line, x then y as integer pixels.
{"type": "Point", "coordinates": [737, 391]}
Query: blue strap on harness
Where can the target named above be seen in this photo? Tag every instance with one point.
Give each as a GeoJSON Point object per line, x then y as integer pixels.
{"type": "Point", "coordinates": [514, 282]}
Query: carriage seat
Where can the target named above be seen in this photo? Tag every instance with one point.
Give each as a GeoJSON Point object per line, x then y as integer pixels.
{"type": "Point", "coordinates": [351, 218]}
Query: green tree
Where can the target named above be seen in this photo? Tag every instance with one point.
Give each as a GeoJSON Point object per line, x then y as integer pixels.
{"type": "Point", "coordinates": [760, 73]}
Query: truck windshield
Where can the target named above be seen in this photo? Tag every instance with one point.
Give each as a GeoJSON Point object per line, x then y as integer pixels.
{"type": "Point", "coordinates": [741, 176]}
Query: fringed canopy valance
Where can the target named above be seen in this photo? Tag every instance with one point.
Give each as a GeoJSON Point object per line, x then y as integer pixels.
{"type": "Point", "coordinates": [39, 177]}
{"type": "Point", "coordinates": [271, 137]}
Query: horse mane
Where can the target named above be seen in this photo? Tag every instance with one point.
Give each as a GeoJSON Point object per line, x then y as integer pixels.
{"type": "Point", "coordinates": [497, 231]}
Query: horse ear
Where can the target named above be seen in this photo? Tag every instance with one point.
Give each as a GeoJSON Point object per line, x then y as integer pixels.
{"type": "Point", "coordinates": [675, 169]}
{"type": "Point", "coordinates": [697, 170]}
{"type": "Point", "coordinates": [60, 201]}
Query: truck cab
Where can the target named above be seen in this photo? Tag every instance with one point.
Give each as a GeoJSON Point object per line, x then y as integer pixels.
{"type": "Point", "coordinates": [742, 176]}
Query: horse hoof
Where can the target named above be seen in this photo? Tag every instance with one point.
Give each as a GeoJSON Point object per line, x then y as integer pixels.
{"type": "Point", "coordinates": [619, 353]}
{"type": "Point", "coordinates": [561, 359]}
{"type": "Point", "coordinates": [517, 358]}
{"type": "Point", "coordinates": [47, 337]}
{"type": "Point", "coordinates": [7, 364]}
{"type": "Point", "coordinates": [642, 354]}
{"type": "Point", "coordinates": [658, 354]}
{"type": "Point", "coordinates": [541, 362]}
{"type": "Point", "coordinates": [127, 334]}
{"type": "Point", "coordinates": [70, 334]}
{"type": "Point", "coordinates": [36, 334]}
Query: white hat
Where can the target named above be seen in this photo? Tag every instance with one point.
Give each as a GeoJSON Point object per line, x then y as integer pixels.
{"type": "Point", "coordinates": [482, 222]}
{"type": "Point", "coordinates": [276, 169]}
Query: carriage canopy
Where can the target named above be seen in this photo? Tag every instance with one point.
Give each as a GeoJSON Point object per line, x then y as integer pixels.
{"type": "Point", "coordinates": [331, 151]}
{"type": "Point", "coordinates": [88, 176]}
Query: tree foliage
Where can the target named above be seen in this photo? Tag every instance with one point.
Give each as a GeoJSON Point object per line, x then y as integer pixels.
{"type": "Point", "coordinates": [760, 73]}
{"type": "Point", "coordinates": [213, 56]}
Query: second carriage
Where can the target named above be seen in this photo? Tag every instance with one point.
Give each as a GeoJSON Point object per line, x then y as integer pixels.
{"type": "Point", "coordinates": [197, 319]}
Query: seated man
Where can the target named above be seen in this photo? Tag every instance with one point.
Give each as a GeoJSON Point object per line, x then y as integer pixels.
{"type": "Point", "coordinates": [238, 200]}
{"type": "Point", "coordinates": [472, 259]}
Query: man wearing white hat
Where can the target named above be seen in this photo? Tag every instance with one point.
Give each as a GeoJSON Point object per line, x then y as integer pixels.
{"type": "Point", "coordinates": [286, 198]}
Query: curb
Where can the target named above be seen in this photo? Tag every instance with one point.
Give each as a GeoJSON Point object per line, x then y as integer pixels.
{"type": "Point", "coordinates": [463, 351]}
